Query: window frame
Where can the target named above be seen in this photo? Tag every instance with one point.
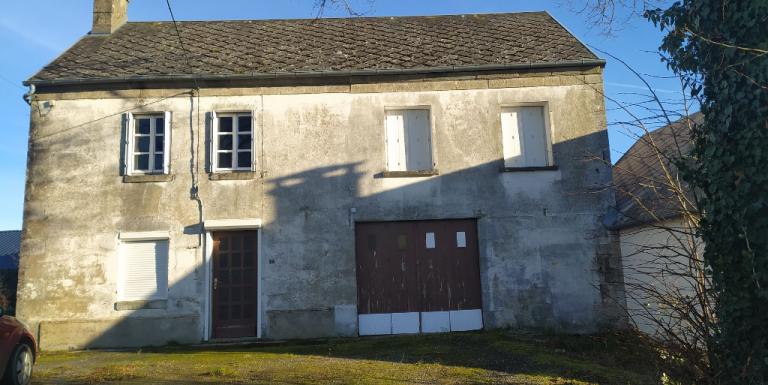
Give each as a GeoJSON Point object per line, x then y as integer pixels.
{"type": "Point", "coordinates": [214, 142]}
{"type": "Point", "coordinates": [548, 140]}
{"type": "Point", "coordinates": [431, 140]}
{"type": "Point", "coordinates": [130, 142]}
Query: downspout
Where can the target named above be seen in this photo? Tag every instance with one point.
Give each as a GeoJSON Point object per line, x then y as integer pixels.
{"type": "Point", "coordinates": [28, 95]}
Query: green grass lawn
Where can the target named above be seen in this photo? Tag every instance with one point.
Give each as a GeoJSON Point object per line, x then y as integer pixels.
{"type": "Point", "coordinates": [496, 357]}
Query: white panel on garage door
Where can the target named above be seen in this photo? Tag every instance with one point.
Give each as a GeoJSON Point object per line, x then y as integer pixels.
{"type": "Point", "coordinates": [375, 324]}
{"type": "Point", "coordinates": [405, 323]}
{"type": "Point", "coordinates": [463, 320]}
{"type": "Point", "coordinates": [435, 322]}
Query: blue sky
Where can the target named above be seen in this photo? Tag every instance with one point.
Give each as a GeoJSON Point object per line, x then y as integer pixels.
{"type": "Point", "coordinates": [33, 33]}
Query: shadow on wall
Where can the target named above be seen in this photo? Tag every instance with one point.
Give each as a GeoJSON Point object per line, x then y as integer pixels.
{"type": "Point", "coordinates": [309, 248]}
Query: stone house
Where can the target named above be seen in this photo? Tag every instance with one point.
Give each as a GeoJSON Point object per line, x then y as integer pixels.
{"type": "Point", "coordinates": [307, 178]}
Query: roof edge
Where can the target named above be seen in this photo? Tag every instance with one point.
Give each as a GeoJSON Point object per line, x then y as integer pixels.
{"type": "Point", "coordinates": [563, 26]}
{"type": "Point", "coordinates": [272, 75]}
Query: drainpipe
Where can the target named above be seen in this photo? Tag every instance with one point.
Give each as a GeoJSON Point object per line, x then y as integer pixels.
{"type": "Point", "coordinates": [28, 95]}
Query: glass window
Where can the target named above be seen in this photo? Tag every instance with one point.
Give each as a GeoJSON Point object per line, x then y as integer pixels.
{"type": "Point", "coordinates": [148, 150]}
{"type": "Point", "coordinates": [234, 142]}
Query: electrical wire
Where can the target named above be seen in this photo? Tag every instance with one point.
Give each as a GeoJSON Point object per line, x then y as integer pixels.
{"type": "Point", "coordinates": [109, 116]}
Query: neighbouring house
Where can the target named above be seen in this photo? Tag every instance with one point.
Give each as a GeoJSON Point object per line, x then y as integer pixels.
{"type": "Point", "coordinates": [660, 250]}
{"type": "Point", "coordinates": [308, 178]}
{"type": "Point", "coordinates": [9, 269]}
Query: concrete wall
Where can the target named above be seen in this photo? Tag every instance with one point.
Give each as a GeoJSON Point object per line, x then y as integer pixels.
{"type": "Point", "coordinates": [657, 259]}
{"type": "Point", "coordinates": [546, 260]}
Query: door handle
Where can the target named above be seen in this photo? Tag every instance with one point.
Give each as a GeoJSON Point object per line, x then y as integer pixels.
{"type": "Point", "coordinates": [215, 283]}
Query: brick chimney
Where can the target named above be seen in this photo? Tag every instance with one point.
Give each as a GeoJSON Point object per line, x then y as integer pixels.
{"type": "Point", "coordinates": [109, 15]}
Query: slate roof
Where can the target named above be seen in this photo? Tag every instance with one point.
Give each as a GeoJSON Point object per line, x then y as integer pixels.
{"type": "Point", "coordinates": [226, 49]}
{"type": "Point", "coordinates": [10, 243]}
{"type": "Point", "coordinates": [639, 179]}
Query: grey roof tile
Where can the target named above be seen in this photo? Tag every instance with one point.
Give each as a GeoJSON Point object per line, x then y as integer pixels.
{"type": "Point", "coordinates": [229, 48]}
{"type": "Point", "coordinates": [10, 243]}
{"type": "Point", "coordinates": [638, 177]}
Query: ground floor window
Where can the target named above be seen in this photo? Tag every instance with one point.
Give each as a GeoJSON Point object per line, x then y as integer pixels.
{"type": "Point", "coordinates": [143, 270]}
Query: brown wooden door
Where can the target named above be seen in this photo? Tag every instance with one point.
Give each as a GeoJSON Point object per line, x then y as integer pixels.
{"type": "Point", "coordinates": [417, 266]}
{"type": "Point", "coordinates": [235, 278]}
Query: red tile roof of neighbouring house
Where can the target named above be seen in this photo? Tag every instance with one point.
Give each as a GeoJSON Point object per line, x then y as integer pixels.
{"type": "Point", "coordinates": [253, 48]}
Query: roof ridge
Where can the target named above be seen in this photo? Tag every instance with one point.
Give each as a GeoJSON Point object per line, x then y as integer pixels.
{"type": "Point", "coordinates": [338, 18]}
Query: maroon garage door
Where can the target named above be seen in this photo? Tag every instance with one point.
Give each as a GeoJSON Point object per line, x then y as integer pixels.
{"type": "Point", "coordinates": [418, 276]}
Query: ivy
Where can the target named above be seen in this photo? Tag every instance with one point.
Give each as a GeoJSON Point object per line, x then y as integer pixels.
{"type": "Point", "coordinates": [720, 48]}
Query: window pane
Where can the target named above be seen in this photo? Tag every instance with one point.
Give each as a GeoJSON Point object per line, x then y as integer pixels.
{"type": "Point", "coordinates": [244, 142]}
{"type": "Point", "coordinates": [244, 159]}
{"type": "Point", "coordinates": [225, 124]}
{"type": "Point", "coordinates": [142, 126]}
{"type": "Point", "coordinates": [159, 125]}
{"type": "Point", "coordinates": [159, 142]}
{"type": "Point", "coordinates": [158, 162]}
{"type": "Point", "coordinates": [225, 142]}
{"type": "Point", "coordinates": [141, 162]}
{"type": "Point", "coordinates": [244, 123]}
{"type": "Point", "coordinates": [142, 144]}
{"type": "Point", "coordinates": [225, 160]}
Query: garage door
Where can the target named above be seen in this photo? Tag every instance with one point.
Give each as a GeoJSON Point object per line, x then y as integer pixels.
{"type": "Point", "coordinates": [418, 276]}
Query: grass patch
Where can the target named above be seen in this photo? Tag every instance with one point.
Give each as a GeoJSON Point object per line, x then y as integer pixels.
{"type": "Point", "coordinates": [111, 373]}
{"type": "Point", "coordinates": [496, 357]}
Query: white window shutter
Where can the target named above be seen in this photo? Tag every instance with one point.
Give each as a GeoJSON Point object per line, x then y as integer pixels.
{"type": "Point", "coordinates": [511, 138]}
{"type": "Point", "coordinates": [167, 142]}
{"type": "Point", "coordinates": [524, 137]}
{"type": "Point", "coordinates": [418, 142]}
{"type": "Point", "coordinates": [143, 270]}
{"type": "Point", "coordinates": [534, 138]}
{"type": "Point", "coordinates": [253, 140]}
{"type": "Point", "coordinates": [395, 127]}
{"type": "Point", "coordinates": [212, 142]}
{"type": "Point", "coordinates": [128, 123]}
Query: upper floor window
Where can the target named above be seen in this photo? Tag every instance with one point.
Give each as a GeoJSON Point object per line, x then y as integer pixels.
{"type": "Point", "coordinates": [148, 143]}
{"type": "Point", "coordinates": [409, 140]}
{"type": "Point", "coordinates": [525, 137]}
{"type": "Point", "coordinates": [232, 142]}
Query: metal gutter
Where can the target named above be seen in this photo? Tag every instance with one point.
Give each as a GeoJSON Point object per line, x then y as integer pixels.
{"type": "Point", "coordinates": [320, 74]}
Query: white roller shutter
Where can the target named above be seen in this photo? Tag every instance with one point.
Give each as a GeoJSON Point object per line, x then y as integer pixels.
{"type": "Point", "coordinates": [143, 270]}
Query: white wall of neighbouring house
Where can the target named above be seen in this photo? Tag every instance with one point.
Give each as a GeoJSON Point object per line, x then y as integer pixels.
{"type": "Point", "coordinates": [659, 261]}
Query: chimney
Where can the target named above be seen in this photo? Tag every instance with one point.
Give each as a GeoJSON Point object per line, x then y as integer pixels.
{"type": "Point", "coordinates": [109, 15]}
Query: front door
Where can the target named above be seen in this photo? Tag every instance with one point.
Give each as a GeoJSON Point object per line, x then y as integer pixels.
{"type": "Point", "coordinates": [234, 283]}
